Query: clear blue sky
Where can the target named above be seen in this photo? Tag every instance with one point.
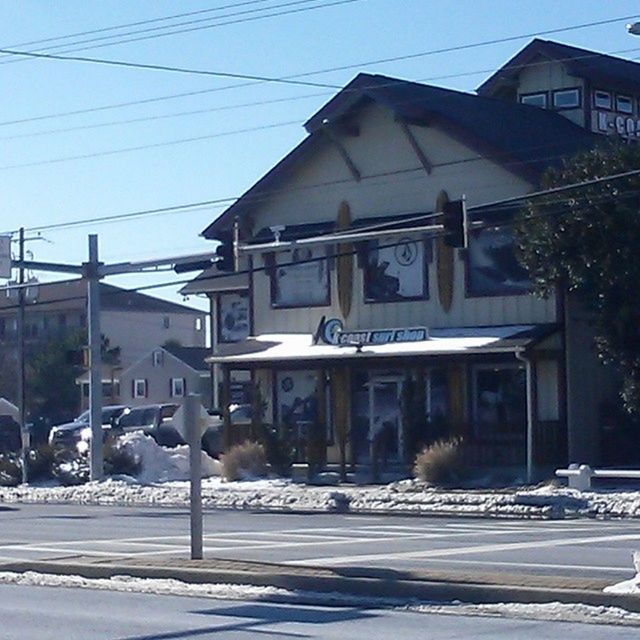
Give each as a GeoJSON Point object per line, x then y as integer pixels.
{"type": "Point", "coordinates": [36, 191]}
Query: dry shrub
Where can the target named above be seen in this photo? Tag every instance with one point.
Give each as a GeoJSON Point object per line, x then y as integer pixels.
{"type": "Point", "coordinates": [244, 461]}
{"type": "Point", "coordinates": [440, 463]}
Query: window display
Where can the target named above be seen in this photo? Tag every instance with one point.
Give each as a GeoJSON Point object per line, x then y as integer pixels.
{"type": "Point", "coordinates": [304, 284]}
{"type": "Point", "coordinates": [395, 273]}
{"type": "Point", "coordinates": [493, 268]}
{"type": "Point", "coordinates": [233, 317]}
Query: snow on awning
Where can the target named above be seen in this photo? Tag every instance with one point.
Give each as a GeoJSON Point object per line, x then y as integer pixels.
{"type": "Point", "coordinates": [300, 347]}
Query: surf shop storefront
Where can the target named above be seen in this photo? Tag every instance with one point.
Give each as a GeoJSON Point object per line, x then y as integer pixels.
{"type": "Point", "coordinates": [363, 398]}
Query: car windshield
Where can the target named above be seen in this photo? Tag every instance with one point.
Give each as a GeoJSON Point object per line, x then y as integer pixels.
{"type": "Point", "coordinates": [140, 417]}
{"type": "Point", "coordinates": [241, 413]}
{"type": "Point", "coordinates": [108, 414]}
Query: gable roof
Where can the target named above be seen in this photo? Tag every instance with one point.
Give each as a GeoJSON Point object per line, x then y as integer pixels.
{"type": "Point", "coordinates": [191, 356]}
{"type": "Point", "coordinates": [600, 68]}
{"type": "Point", "coordinates": [525, 139]}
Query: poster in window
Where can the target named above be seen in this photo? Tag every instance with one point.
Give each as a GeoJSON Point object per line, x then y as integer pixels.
{"type": "Point", "coordinates": [493, 266]}
{"type": "Point", "coordinates": [395, 273]}
{"type": "Point", "coordinates": [297, 398]}
{"type": "Point", "coordinates": [233, 317]}
{"type": "Point", "coordinates": [303, 284]}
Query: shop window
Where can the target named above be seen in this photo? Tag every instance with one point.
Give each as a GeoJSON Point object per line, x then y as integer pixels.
{"type": "Point", "coordinates": [300, 278]}
{"type": "Point", "coordinates": [396, 270]}
{"type": "Point", "coordinates": [233, 317]}
{"type": "Point", "coordinates": [602, 100]}
{"type": "Point", "coordinates": [624, 104]}
{"type": "Point", "coordinates": [492, 266]}
{"type": "Point", "coordinates": [534, 99]}
{"type": "Point", "coordinates": [297, 407]}
{"type": "Point", "coordinates": [566, 99]}
{"type": "Point", "coordinates": [499, 402]}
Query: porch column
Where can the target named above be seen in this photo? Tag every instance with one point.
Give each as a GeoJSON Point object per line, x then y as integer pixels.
{"type": "Point", "coordinates": [340, 387]}
{"type": "Point", "coordinates": [226, 416]}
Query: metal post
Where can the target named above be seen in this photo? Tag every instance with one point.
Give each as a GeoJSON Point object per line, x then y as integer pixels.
{"type": "Point", "coordinates": [95, 360]}
{"type": "Point", "coordinates": [24, 436]}
{"type": "Point", "coordinates": [193, 432]}
{"type": "Point", "coordinates": [531, 398]}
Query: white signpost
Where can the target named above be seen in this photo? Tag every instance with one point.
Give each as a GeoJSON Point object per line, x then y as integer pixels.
{"type": "Point", "coordinates": [5, 257]}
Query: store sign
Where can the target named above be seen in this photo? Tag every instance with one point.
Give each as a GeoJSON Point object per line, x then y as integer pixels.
{"type": "Point", "coordinates": [614, 123]}
{"type": "Point", "coordinates": [382, 336]}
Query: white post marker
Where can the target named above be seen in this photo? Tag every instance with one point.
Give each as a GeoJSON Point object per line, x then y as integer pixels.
{"type": "Point", "coordinates": [192, 422]}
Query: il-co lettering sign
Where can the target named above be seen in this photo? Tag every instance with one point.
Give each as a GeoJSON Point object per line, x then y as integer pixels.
{"type": "Point", "coordinates": [612, 123]}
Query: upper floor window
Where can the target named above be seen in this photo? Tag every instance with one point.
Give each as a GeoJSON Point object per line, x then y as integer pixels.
{"type": "Point", "coordinates": [233, 317]}
{"type": "Point", "coordinates": [624, 104]}
{"type": "Point", "coordinates": [566, 98]}
{"type": "Point", "coordinates": [166, 322]}
{"type": "Point", "coordinates": [300, 278]}
{"type": "Point", "coordinates": [534, 99]}
{"type": "Point", "coordinates": [602, 99]}
{"type": "Point", "coordinates": [157, 358]}
{"type": "Point", "coordinates": [492, 267]}
{"type": "Point", "coordinates": [395, 270]}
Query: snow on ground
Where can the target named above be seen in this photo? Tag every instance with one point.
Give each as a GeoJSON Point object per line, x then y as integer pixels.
{"type": "Point", "coordinates": [628, 586]}
{"type": "Point", "coordinates": [163, 481]}
{"type": "Point", "coordinates": [554, 611]}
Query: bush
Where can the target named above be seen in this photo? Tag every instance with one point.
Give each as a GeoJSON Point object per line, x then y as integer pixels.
{"type": "Point", "coordinates": [244, 461]}
{"type": "Point", "coordinates": [440, 463]}
{"type": "Point", "coordinates": [40, 463]}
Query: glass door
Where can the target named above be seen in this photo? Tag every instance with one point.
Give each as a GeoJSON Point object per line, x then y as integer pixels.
{"type": "Point", "coordinates": [385, 419]}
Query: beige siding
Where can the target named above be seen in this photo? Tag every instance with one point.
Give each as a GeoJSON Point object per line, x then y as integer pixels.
{"type": "Point", "coordinates": [393, 183]}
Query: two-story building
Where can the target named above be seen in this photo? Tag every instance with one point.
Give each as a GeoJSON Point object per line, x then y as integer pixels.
{"type": "Point", "coordinates": [401, 338]}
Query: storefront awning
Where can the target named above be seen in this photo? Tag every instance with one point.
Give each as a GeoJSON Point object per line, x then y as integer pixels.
{"type": "Point", "coordinates": [299, 347]}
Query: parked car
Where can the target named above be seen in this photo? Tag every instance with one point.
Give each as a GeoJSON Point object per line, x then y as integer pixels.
{"type": "Point", "coordinates": [73, 437]}
{"type": "Point", "coordinates": [10, 440]}
{"type": "Point", "coordinates": [240, 414]}
{"type": "Point", "coordinates": [154, 420]}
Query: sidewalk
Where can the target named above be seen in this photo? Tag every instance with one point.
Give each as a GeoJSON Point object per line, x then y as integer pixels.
{"type": "Point", "coordinates": [431, 586]}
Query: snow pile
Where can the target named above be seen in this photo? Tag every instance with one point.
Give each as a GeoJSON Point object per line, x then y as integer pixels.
{"type": "Point", "coordinates": [159, 464]}
{"type": "Point", "coordinates": [628, 586]}
{"type": "Point", "coordinates": [162, 483]}
{"type": "Point", "coordinates": [552, 611]}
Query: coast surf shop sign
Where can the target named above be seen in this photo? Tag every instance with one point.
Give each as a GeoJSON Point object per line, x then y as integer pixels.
{"type": "Point", "coordinates": [333, 332]}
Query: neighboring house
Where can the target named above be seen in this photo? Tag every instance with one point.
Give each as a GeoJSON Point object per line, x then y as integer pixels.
{"type": "Point", "coordinates": [410, 340]}
{"type": "Point", "coordinates": [167, 374]}
{"type": "Point", "coordinates": [132, 321]}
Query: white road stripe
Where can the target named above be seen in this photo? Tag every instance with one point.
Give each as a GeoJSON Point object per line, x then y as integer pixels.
{"type": "Point", "coordinates": [483, 548]}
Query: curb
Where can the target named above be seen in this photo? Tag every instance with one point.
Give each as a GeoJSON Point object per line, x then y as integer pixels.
{"type": "Point", "coordinates": [326, 581]}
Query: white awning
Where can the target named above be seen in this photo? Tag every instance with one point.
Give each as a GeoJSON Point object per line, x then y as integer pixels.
{"type": "Point", "coordinates": [299, 347]}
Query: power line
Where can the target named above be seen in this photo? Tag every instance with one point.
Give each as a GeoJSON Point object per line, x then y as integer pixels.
{"type": "Point", "coordinates": [485, 225]}
{"type": "Point", "coordinates": [137, 23]}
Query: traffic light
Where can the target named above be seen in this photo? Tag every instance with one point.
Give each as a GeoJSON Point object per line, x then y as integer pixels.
{"type": "Point", "coordinates": [224, 253]}
{"type": "Point", "coordinates": [455, 223]}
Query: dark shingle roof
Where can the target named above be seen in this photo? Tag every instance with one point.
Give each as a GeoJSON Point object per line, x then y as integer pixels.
{"type": "Point", "coordinates": [600, 68]}
{"type": "Point", "coordinates": [192, 356]}
{"type": "Point", "coordinates": [524, 139]}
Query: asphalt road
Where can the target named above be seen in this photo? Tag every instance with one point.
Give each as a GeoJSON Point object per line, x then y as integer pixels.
{"type": "Point", "coordinates": [45, 613]}
{"type": "Point", "coordinates": [583, 548]}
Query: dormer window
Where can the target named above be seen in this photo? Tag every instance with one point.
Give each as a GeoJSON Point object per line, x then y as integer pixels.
{"type": "Point", "coordinates": [534, 99]}
{"type": "Point", "coordinates": [566, 99]}
{"type": "Point", "coordinates": [602, 100]}
{"type": "Point", "coordinates": [624, 104]}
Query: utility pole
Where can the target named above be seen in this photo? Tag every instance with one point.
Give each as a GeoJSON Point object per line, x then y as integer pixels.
{"type": "Point", "coordinates": [92, 276]}
{"type": "Point", "coordinates": [24, 436]}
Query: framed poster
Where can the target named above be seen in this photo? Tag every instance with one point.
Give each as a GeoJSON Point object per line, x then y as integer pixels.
{"type": "Point", "coordinates": [395, 272]}
{"type": "Point", "coordinates": [233, 317]}
{"type": "Point", "coordinates": [492, 266]}
{"type": "Point", "coordinates": [305, 284]}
